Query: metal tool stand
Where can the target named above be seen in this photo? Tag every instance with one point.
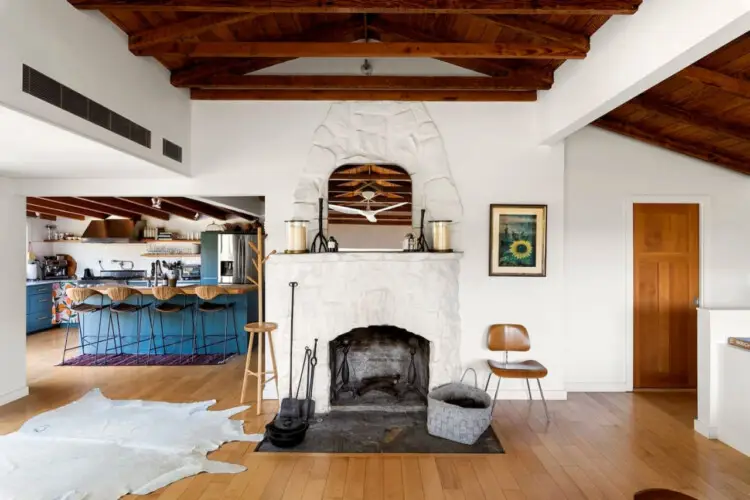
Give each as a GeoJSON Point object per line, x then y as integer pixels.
{"type": "Point", "coordinates": [320, 242]}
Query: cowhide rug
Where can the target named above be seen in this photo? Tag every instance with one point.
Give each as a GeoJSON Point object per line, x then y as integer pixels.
{"type": "Point", "coordinates": [101, 449]}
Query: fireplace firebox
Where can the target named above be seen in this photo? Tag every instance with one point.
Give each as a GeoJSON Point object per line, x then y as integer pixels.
{"type": "Point", "coordinates": [380, 368]}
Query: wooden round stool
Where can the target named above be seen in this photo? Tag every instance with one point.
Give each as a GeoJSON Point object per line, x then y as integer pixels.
{"type": "Point", "coordinates": [659, 494]}
{"type": "Point", "coordinates": [262, 328]}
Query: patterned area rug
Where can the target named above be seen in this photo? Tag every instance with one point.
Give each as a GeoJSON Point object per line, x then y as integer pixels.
{"type": "Point", "coordinates": [143, 360]}
{"type": "Point", "coordinates": [101, 449]}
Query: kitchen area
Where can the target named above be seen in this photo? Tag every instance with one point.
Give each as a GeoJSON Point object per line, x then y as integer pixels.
{"type": "Point", "coordinates": [159, 280]}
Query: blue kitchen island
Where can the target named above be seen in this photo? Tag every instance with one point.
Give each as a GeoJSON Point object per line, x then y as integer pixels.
{"type": "Point", "coordinates": [244, 309]}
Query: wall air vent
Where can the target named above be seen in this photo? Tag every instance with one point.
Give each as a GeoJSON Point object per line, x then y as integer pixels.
{"type": "Point", "coordinates": [172, 150]}
{"type": "Point", "coordinates": [53, 92]}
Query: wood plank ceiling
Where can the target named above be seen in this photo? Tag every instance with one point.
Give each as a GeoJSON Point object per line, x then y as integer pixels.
{"type": "Point", "coordinates": [702, 111]}
{"type": "Point", "coordinates": [213, 47]}
{"type": "Point", "coordinates": [49, 208]}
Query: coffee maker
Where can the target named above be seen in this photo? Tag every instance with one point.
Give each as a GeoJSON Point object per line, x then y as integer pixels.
{"type": "Point", "coordinates": [54, 267]}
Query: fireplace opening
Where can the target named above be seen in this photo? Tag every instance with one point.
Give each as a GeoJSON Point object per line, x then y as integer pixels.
{"type": "Point", "coordinates": [379, 367]}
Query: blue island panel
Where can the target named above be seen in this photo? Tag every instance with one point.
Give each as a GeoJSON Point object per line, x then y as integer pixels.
{"type": "Point", "coordinates": [244, 310]}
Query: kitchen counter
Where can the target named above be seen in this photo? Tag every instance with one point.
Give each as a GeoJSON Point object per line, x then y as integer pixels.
{"type": "Point", "coordinates": [188, 289]}
{"type": "Point", "coordinates": [49, 282]}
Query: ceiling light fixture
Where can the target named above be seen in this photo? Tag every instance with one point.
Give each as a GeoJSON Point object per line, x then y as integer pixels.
{"type": "Point", "coordinates": [156, 203]}
{"type": "Point", "coordinates": [366, 68]}
{"type": "Point", "coordinates": [196, 216]}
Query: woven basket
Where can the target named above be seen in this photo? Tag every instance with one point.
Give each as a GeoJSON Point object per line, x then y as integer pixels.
{"type": "Point", "coordinates": [449, 421]}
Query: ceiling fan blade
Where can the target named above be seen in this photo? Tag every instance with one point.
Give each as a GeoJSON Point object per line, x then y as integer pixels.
{"type": "Point", "coordinates": [389, 207]}
{"type": "Point", "coordinates": [347, 210]}
{"type": "Point", "coordinates": [370, 216]}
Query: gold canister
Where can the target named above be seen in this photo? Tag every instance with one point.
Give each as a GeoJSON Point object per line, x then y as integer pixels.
{"type": "Point", "coordinates": [296, 236]}
{"type": "Point", "coordinates": [441, 236]}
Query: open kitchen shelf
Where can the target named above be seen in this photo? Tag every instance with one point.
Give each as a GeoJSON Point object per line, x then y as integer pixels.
{"type": "Point", "coordinates": [169, 255]}
{"type": "Point", "coordinates": [139, 242]}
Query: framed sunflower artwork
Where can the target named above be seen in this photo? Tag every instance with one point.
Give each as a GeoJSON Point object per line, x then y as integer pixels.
{"type": "Point", "coordinates": [518, 240]}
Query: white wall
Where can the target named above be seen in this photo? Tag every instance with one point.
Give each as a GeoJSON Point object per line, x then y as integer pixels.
{"type": "Point", "coordinates": [363, 236]}
{"type": "Point", "coordinates": [12, 295]}
{"type": "Point", "coordinates": [605, 173]}
{"type": "Point", "coordinates": [88, 53]}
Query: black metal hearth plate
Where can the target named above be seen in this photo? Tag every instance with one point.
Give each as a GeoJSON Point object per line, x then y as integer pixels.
{"type": "Point", "coordinates": [379, 432]}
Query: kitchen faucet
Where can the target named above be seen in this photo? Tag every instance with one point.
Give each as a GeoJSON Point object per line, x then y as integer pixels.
{"type": "Point", "coordinates": [156, 272]}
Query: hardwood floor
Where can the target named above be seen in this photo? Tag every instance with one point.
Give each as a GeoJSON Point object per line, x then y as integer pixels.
{"type": "Point", "coordinates": [603, 445]}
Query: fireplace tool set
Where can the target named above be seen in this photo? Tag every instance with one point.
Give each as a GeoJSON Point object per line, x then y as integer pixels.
{"type": "Point", "coordinates": [289, 427]}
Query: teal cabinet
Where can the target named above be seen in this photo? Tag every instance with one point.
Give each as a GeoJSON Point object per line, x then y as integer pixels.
{"type": "Point", "coordinates": [209, 258]}
{"type": "Point", "coordinates": [39, 305]}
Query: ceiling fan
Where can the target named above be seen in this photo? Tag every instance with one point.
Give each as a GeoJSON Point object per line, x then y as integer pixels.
{"type": "Point", "coordinates": [368, 213]}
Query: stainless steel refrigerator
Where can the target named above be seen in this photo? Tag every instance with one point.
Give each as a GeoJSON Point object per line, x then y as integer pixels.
{"type": "Point", "coordinates": [235, 258]}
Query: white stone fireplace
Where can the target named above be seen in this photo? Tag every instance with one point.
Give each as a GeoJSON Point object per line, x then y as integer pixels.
{"type": "Point", "coordinates": [339, 292]}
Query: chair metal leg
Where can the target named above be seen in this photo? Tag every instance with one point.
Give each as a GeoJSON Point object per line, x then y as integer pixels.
{"type": "Point", "coordinates": [152, 334]}
{"type": "Point", "coordinates": [226, 331]}
{"type": "Point", "coordinates": [544, 401]}
{"type": "Point", "coordinates": [528, 386]}
{"type": "Point", "coordinates": [494, 400]}
{"type": "Point", "coordinates": [234, 327]}
{"type": "Point", "coordinates": [203, 327]}
{"type": "Point", "coordinates": [487, 384]}
{"type": "Point", "coordinates": [182, 331]}
{"type": "Point", "coordinates": [163, 340]}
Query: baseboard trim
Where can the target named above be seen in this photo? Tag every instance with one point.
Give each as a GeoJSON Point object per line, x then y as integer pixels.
{"type": "Point", "coordinates": [705, 430]}
{"type": "Point", "coordinates": [11, 396]}
{"type": "Point", "coordinates": [596, 387]}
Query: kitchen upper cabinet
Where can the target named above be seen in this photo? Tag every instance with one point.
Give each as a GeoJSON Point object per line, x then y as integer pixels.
{"type": "Point", "coordinates": [209, 258]}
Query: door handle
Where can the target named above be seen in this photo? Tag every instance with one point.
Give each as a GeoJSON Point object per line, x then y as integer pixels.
{"type": "Point", "coordinates": [697, 302]}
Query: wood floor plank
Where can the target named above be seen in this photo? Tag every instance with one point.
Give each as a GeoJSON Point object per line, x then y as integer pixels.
{"type": "Point", "coordinates": [606, 445]}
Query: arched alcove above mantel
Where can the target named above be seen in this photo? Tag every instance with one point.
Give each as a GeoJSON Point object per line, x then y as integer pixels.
{"type": "Point", "coordinates": [381, 133]}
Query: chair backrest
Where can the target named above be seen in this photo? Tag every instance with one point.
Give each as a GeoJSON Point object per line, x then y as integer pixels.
{"type": "Point", "coordinates": [209, 292]}
{"type": "Point", "coordinates": [508, 338]}
{"type": "Point", "coordinates": [120, 293]}
{"type": "Point", "coordinates": [81, 294]}
{"type": "Point", "coordinates": [166, 292]}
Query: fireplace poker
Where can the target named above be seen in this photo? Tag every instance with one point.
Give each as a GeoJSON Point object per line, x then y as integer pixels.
{"type": "Point", "coordinates": [305, 369]}
{"type": "Point", "coordinates": [289, 406]}
{"type": "Point", "coordinates": [310, 410]}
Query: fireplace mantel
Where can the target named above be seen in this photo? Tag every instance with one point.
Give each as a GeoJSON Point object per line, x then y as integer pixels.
{"type": "Point", "coordinates": [366, 256]}
{"type": "Point", "coordinates": [341, 291]}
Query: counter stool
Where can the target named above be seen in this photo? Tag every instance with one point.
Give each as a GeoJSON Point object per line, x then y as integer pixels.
{"type": "Point", "coordinates": [163, 294]}
{"type": "Point", "coordinates": [81, 309]}
{"type": "Point", "coordinates": [119, 296]}
{"type": "Point", "coordinates": [261, 329]}
{"type": "Point", "coordinates": [208, 294]}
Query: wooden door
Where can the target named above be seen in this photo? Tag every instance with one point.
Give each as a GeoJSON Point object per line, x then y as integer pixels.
{"type": "Point", "coordinates": [665, 241]}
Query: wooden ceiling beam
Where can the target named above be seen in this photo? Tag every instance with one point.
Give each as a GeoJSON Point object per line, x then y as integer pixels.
{"type": "Point", "coordinates": [365, 50]}
{"type": "Point", "coordinates": [394, 32]}
{"type": "Point", "coordinates": [567, 7]}
{"type": "Point", "coordinates": [126, 206]}
{"type": "Point", "coordinates": [345, 82]}
{"type": "Point", "coordinates": [529, 26]}
{"type": "Point", "coordinates": [198, 206]}
{"type": "Point", "coordinates": [30, 207]}
{"type": "Point", "coordinates": [170, 209]}
{"type": "Point", "coordinates": [39, 215]}
{"type": "Point", "coordinates": [84, 203]}
{"type": "Point", "coordinates": [349, 30]}
{"type": "Point", "coordinates": [363, 95]}
{"type": "Point", "coordinates": [364, 176]}
{"type": "Point", "coordinates": [737, 132]}
{"type": "Point", "coordinates": [188, 28]}
{"type": "Point", "coordinates": [690, 149]}
{"type": "Point", "coordinates": [737, 86]}
{"type": "Point", "coordinates": [87, 212]}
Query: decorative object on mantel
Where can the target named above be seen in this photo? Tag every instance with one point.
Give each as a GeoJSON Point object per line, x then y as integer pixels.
{"type": "Point", "coordinates": [409, 243]}
{"type": "Point", "coordinates": [296, 236]}
{"type": "Point", "coordinates": [422, 245]}
{"type": "Point", "coordinates": [333, 245]}
{"type": "Point", "coordinates": [319, 243]}
{"type": "Point", "coordinates": [741, 342]}
{"type": "Point", "coordinates": [518, 240]}
{"type": "Point", "coordinates": [441, 236]}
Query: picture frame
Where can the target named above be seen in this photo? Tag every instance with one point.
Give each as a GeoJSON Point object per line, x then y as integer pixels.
{"type": "Point", "coordinates": [518, 240]}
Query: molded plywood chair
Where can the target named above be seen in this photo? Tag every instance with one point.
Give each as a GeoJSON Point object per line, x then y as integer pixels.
{"type": "Point", "coordinates": [207, 294]}
{"type": "Point", "coordinates": [119, 296]}
{"type": "Point", "coordinates": [513, 338]}
{"type": "Point", "coordinates": [80, 309]}
{"type": "Point", "coordinates": [163, 295]}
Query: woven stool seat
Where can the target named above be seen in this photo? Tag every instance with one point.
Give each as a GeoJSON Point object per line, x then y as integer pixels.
{"type": "Point", "coordinates": [264, 327]}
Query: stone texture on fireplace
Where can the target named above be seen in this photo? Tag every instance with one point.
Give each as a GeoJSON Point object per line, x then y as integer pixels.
{"type": "Point", "coordinates": [340, 292]}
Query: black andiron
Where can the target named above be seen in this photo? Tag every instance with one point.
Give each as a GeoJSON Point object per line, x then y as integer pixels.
{"type": "Point", "coordinates": [319, 243]}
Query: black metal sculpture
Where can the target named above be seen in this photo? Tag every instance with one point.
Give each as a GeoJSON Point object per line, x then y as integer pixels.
{"type": "Point", "coordinates": [422, 241]}
{"type": "Point", "coordinates": [320, 242]}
